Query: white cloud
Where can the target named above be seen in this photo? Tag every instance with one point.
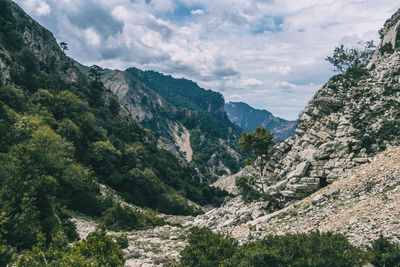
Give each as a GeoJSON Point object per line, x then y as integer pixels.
{"type": "Point", "coordinates": [269, 54]}
{"type": "Point", "coordinates": [283, 70]}
{"type": "Point", "coordinates": [38, 7]}
{"type": "Point", "coordinates": [92, 37]}
{"type": "Point", "coordinates": [162, 5]}
{"type": "Point", "coordinates": [197, 12]}
{"type": "Point", "coordinates": [285, 85]}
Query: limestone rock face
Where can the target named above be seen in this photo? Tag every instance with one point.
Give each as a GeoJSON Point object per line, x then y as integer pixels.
{"type": "Point", "coordinates": [361, 205]}
{"type": "Point", "coordinates": [349, 120]}
{"type": "Point", "coordinates": [210, 154]}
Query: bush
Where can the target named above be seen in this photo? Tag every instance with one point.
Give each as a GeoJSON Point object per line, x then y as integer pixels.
{"type": "Point", "coordinates": [313, 249]}
{"type": "Point", "coordinates": [98, 249]}
{"type": "Point", "coordinates": [384, 253]}
{"type": "Point", "coordinates": [207, 248]}
{"type": "Point", "coordinates": [122, 218]}
{"type": "Point", "coordinates": [248, 193]}
{"type": "Point", "coordinates": [122, 241]}
{"type": "Point", "coordinates": [386, 48]}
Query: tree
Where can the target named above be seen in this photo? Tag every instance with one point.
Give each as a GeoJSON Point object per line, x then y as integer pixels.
{"type": "Point", "coordinates": [259, 144]}
{"type": "Point", "coordinates": [64, 46]}
{"type": "Point", "coordinates": [96, 72]}
{"type": "Point", "coordinates": [344, 59]}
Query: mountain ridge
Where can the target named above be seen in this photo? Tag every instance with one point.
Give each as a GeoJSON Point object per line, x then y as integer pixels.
{"type": "Point", "coordinates": [188, 120]}
{"type": "Point", "coordinates": [248, 118]}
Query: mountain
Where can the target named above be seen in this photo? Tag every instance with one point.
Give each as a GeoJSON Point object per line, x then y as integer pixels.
{"type": "Point", "coordinates": [187, 120]}
{"type": "Point", "coordinates": [354, 116]}
{"type": "Point", "coordinates": [340, 172]}
{"type": "Point", "coordinates": [73, 158]}
{"type": "Point", "coordinates": [65, 141]}
{"type": "Point", "coordinates": [249, 118]}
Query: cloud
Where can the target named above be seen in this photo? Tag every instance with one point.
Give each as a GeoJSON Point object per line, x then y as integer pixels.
{"type": "Point", "coordinates": [283, 70]}
{"type": "Point", "coordinates": [38, 7]}
{"type": "Point", "coordinates": [197, 12]}
{"type": "Point", "coordinates": [285, 85]}
{"type": "Point", "coordinates": [269, 54]}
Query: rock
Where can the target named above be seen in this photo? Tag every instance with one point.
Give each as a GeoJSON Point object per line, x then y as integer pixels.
{"type": "Point", "coordinates": [300, 170]}
{"type": "Point", "coordinates": [360, 160]}
{"type": "Point", "coordinates": [317, 199]}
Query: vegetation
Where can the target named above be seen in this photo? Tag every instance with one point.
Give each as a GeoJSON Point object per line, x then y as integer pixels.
{"type": "Point", "coordinates": [64, 46]}
{"type": "Point", "coordinates": [58, 141]}
{"type": "Point", "coordinates": [122, 218]}
{"type": "Point", "coordinates": [313, 249]}
{"type": "Point", "coordinates": [259, 144]}
{"type": "Point", "coordinates": [252, 187]}
{"type": "Point", "coordinates": [98, 249]}
{"type": "Point", "coordinates": [207, 248]}
{"type": "Point", "coordinates": [350, 59]}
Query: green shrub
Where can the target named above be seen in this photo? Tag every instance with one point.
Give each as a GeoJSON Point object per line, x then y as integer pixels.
{"type": "Point", "coordinates": [122, 241]}
{"type": "Point", "coordinates": [246, 190]}
{"type": "Point", "coordinates": [207, 248]}
{"type": "Point", "coordinates": [122, 218]}
{"type": "Point", "coordinates": [313, 249]}
{"type": "Point", "coordinates": [98, 249]}
{"type": "Point", "coordinates": [386, 48]}
{"type": "Point", "coordinates": [384, 253]}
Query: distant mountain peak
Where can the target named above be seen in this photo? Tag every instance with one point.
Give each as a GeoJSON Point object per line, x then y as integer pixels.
{"type": "Point", "coordinates": [248, 118]}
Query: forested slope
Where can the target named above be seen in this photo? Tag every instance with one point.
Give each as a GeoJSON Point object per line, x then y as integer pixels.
{"type": "Point", "coordinates": [61, 134]}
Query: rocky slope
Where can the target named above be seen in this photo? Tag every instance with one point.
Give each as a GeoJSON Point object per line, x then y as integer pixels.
{"type": "Point", "coordinates": [337, 146]}
{"type": "Point", "coordinates": [187, 120]}
{"type": "Point", "coordinates": [349, 120]}
{"type": "Point", "coordinates": [361, 204]}
{"type": "Point", "coordinates": [51, 60]}
{"type": "Point", "coordinates": [249, 118]}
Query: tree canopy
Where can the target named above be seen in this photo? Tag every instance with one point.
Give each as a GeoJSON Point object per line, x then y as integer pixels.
{"type": "Point", "coordinates": [259, 144]}
{"type": "Point", "coordinates": [344, 59]}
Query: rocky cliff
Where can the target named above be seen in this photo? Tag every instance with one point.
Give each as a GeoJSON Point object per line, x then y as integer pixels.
{"type": "Point", "coordinates": [18, 31]}
{"type": "Point", "coordinates": [249, 118]}
{"type": "Point", "coordinates": [350, 119]}
{"type": "Point", "coordinates": [362, 204]}
{"type": "Point", "coordinates": [186, 119]}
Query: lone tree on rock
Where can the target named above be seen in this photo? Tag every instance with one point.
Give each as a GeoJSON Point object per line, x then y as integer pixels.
{"type": "Point", "coordinates": [259, 144]}
{"type": "Point", "coordinates": [344, 59]}
{"type": "Point", "coordinates": [64, 46]}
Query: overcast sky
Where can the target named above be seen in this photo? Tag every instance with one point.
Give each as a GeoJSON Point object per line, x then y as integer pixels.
{"type": "Point", "coordinates": [269, 54]}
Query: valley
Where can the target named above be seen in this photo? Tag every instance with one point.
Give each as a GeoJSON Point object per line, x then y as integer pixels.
{"type": "Point", "coordinates": [129, 167]}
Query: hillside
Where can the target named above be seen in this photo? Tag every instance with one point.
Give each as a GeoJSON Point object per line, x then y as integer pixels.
{"type": "Point", "coordinates": [362, 205]}
{"type": "Point", "coordinates": [82, 157]}
{"type": "Point", "coordinates": [351, 118]}
{"type": "Point", "coordinates": [63, 137]}
{"type": "Point", "coordinates": [187, 120]}
{"type": "Point", "coordinates": [249, 118]}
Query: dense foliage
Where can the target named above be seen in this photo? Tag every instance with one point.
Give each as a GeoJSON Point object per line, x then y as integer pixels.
{"type": "Point", "coordinates": [98, 249]}
{"type": "Point", "coordinates": [313, 249]}
{"type": "Point", "coordinates": [58, 140]}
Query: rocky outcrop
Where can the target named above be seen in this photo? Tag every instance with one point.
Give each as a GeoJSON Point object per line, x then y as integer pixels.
{"type": "Point", "coordinates": [53, 61]}
{"type": "Point", "coordinates": [363, 204]}
{"type": "Point", "coordinates": [249, 118]}
{"type": "Point", "coordinates": [348, 121]}
{"type": "Point", "coordinates": [182, 124]}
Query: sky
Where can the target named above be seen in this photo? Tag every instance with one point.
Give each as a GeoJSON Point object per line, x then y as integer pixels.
{"type": "Point", "coordinates": [267, 53]}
